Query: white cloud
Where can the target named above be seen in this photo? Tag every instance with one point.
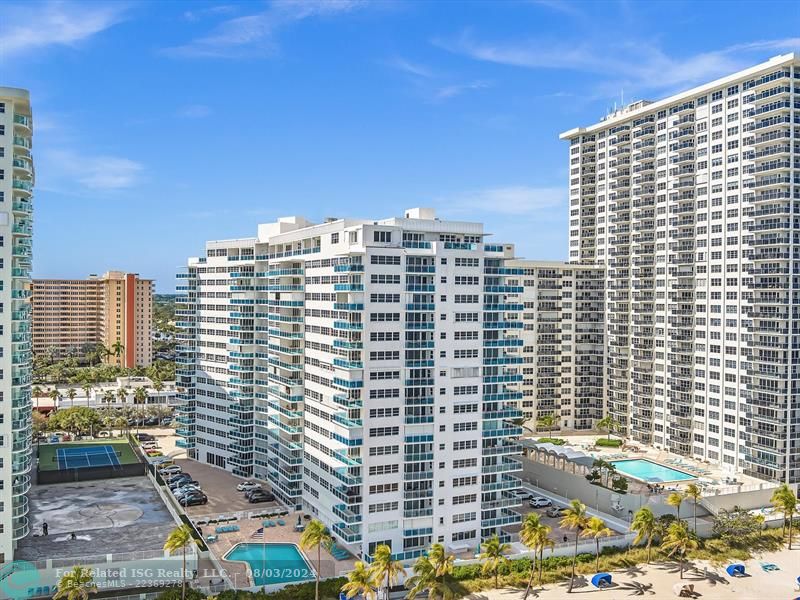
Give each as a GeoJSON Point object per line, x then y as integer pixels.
{"type": "Point", "coordinates": [516, 200]}
{"type": "Point", "coordinates": [433, 85]}
{"type": "Point", "coordinates": [195, 111]}
{"type": "Point", "coordinates": [410, 68]}
{"type": "Point", "coordinates": [196, 15]}
{"type": "Point", "coordinates": [254, 35]}
{"type": "Point", "coordinates": [641, 64]}
{"type": "Point", "coordinates": [32, 26]}
{"type": "Point", "coordinates": [450, 91]}
{"type": "Point", "coordinates": [68, 171]}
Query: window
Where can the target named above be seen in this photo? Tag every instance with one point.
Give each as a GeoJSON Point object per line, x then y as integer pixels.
{"type": "Point", "coordinates": [383, 237]}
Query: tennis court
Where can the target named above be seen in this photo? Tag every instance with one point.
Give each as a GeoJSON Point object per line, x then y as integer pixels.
{"type": "Point", "coordinates": [67, 456]}
{"type": "Point", "coordinates": [93, 456]}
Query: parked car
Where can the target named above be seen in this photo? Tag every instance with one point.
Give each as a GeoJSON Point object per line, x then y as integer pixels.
{"type": "Point", "coordinates": [257, 490]}
{"type": "Point", "coordinates": [170, 470]}
{"type": "Point", "coordinates": [182, 482]}
{"type": "Point", "coordinates": [53, 439]}
{"type": "Point", "coordinates": [179, 477]}
{"type": "Point", "coordinates": [193, 499]}
{"type": "Point", "coordinates": [539, 502]}
{"type": "Point", "coordinates": [261, 496]}
{"type": "Point", "coordinates": [556, 511]}
{"type": "Point", "coordinates": [150, 421]}
{"type": "Point", "coordinates": [166, 421]}
{"type": "Point", "coordinates": [145, 437]}
{"type": "Point", "coordinates": [246, 486]}
{"type": "Point", "coordinates": [521, 494]}
{"type": "Point", "coordinates": [184, 490]}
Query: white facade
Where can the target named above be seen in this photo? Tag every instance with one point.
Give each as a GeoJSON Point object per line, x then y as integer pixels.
{"type": "Point", "coordinates": [374, 364]}
{"type": "Point", "coordinates": [562, 339]}
{"type": "Point", "coordinates": [691, 203]}
{"type": "Point", "coordinates": [16, 216]}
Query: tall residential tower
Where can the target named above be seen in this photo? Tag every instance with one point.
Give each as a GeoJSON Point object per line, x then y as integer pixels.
{"type": "Point", "coordinates": [16, 217]}
{"type": "Point", "coordinates": [692, 204]}
{"type": "Point", "coordinates": [366, 370]}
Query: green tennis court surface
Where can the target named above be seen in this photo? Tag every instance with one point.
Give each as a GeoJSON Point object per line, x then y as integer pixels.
{"type": "Point", "coordinates": [76, 455]}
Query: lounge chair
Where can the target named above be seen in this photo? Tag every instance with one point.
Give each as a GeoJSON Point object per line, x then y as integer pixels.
{"type": "Point", "coordinates": [769, 567]}
{"type": "Point", "coordinates": [211, 538]}
{"type": "Point", "coordinates": [601, 580]}
{"type": "Point", "coordinates": [281, 522]}
{"type": "Point", "coordinates": [735, 570]}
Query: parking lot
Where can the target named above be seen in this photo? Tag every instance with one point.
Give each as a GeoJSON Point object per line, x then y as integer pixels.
{"type": "Point", "coordinates": [558, 534]}
{"type": "Point", "coordinates": [220, 488]}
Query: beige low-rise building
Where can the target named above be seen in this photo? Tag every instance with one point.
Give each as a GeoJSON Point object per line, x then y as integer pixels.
{"type": "Point", "coordinates": [73, 316]}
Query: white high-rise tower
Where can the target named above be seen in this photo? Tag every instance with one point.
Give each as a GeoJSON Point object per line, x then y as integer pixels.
{"type": "Point", "coordinates": [16, 212]}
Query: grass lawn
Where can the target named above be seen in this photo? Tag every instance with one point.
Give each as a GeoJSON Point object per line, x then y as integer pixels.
{"type": "Point", "coordinates": [47, 452]}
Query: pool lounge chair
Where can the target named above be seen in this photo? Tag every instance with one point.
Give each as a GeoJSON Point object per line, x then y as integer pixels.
{"type": "Point", "coordinates": [735, 570]}
{"type": "Point", "coordinates": [281, 522]}
{"type": "Point", "coordinates": [211, 538]}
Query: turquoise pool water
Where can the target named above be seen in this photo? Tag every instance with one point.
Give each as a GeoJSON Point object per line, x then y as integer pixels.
{"type": "Point", "coordinates": [646, 470]}
{"type": "Point", "coordinates": [273, 563]}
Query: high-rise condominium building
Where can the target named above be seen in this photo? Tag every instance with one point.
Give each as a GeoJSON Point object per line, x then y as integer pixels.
{"type": "Point", "coordinates": [692, 204]}
{"type": "Point", "coordinates": [16, 218]}
{"type": "Point", "coordinates": [365, 369]}
{"type": "Point", "coordinates": [562, 342]}
{"type": "Point", "coordinates": [73, 316]}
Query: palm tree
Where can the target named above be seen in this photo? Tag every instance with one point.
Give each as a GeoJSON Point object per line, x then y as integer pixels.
{"type": "Point", "coordinates": [784, 499]}
{"type": "Point", "coordinates": [76, 584]}
{"type": "Point", "coordinates": [316, 535]}
{"type": "Point", "coordinates": [606, 468]}
{"type": "Point", "coordinates": [87, 389]}
{"type": "Point", "coordinates": [178, 539]}
{"type": "Point", "coordinates": [493, 557]}
{"type": "Point", "coordinates": [675, 499]}
{"type": "Point", "coordinates": [536, 536]}
{"type": "Point", "coordinates": [360, 582]}
{"type": "Point", "coordinates": [548, 422]}
{"type": "Point", "coordinates": [140, 396]}
{"type": "Point", "coordinates": [54, 396]}
{"type": "Point", "coordinates": [694, 493]}
{"type": "Point", "coordinates": [384, 568]}
{"type": "Point", "coordinates": [117, 348]}
{"type": "Point", "coordinates": [71, 393]}
{"type": "Point", "coordinates": [575, 518]}
{"type": "Point", "coordinates": [608, 423]}
{"type": "Point", "coordinates": [423, 579]}
{"type": "Point", "coordinates": [679, 540]}
{"type": "Point", "coordinates": [646, 527]}
{"type": "Point", "coordinates": [596, 528]}
{"type": "Point", "coordinates": [442, 561]}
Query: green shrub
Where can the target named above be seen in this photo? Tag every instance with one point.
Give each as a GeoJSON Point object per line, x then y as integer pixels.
{"type": "Point", "coordinates": [606, 443]}
{"type": "Point", "coordinates": [174, 593]}
{"type": "Point", "coordinates": [556, 441]}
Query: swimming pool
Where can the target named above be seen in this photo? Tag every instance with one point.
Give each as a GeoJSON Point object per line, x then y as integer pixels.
{"type": "Point", "coordinates": [273, 563]}
{"type": "Point", "coordinates": [649, 471]}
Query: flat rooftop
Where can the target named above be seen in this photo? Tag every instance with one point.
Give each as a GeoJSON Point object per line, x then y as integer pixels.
{"type": "Point", "coordinates": [108, 516]}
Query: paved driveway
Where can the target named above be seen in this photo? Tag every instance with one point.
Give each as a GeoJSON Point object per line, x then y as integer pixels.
{"type": "Point", "coordinates": [220, 487]}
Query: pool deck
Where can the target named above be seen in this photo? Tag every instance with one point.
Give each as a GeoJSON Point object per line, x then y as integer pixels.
{"type": "Point", "coordinates": [237, 570]}
{"type": "Point", "coordinates": [714, 479]}
{"type": "Point", "coordinates": [655, 479]}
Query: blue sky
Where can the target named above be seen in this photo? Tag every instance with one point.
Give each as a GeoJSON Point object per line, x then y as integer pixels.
{"type": "Point", "coordinates": [161, 125]}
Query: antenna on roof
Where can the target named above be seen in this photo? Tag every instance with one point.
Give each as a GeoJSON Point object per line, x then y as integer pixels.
{"type": "Point", "coordinates": [622, 97]}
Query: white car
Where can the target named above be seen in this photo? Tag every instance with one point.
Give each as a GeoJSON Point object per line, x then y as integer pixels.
{"type": "Point", "coordinates": [171, 470]}
{"type": "Point", "coordinates": [246, 486]}
{"type": "Point", "coordinates": [539, 502]}
{"type": "Point", "coordinates": [182, 491]}
{"type": "Point", "coordinates": [522, 494]}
